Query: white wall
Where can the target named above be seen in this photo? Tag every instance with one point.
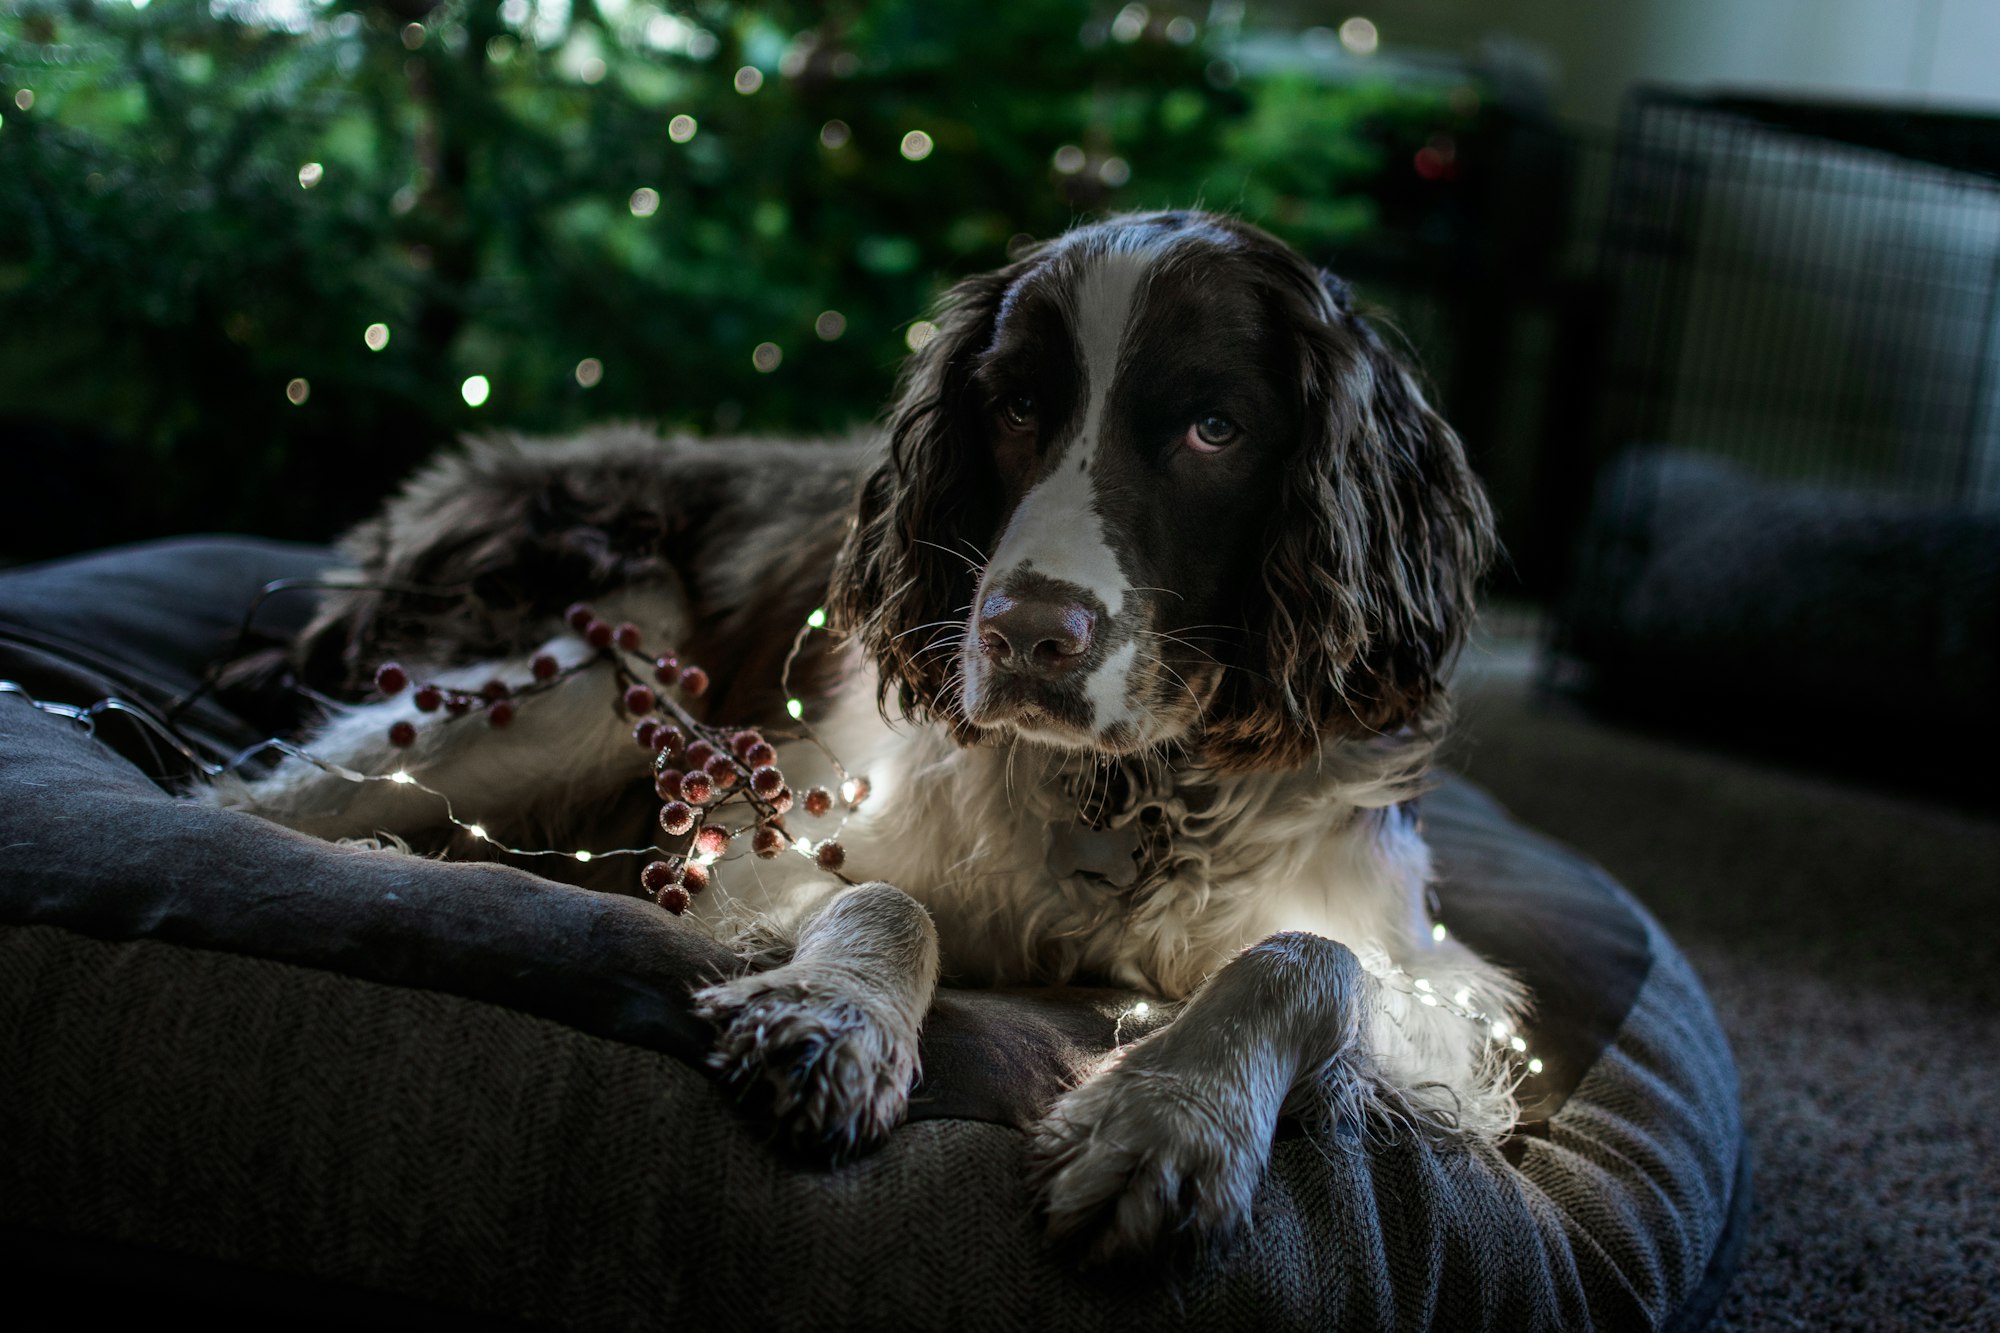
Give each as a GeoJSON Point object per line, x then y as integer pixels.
{"type": "Point", "coordinates": [1945, 52]}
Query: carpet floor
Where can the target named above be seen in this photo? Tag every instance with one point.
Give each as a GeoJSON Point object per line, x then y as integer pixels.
{"type": "Point", "coordinates": [1851, 942]}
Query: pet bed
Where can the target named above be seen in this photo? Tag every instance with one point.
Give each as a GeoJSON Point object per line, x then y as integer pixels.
{"type": "Point", "coordinates": [245, 1074]}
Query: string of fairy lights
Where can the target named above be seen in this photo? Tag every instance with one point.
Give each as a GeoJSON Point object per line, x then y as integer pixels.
{"type": "Point", "coordinates": [854, 790]}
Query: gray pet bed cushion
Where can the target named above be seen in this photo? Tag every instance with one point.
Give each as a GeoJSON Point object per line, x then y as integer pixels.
{"type": "Point", "coordinates": [245, 1072]}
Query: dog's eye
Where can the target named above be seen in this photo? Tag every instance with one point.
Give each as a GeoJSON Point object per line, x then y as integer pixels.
{"type": "Point", "coordinates": [1018, 413]}
{"type": "Point", "coordinates": [1212, 432]}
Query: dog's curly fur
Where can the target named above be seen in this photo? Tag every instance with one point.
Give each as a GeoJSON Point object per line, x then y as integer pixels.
{"type": "Point", "coordinates": [1254, 616]}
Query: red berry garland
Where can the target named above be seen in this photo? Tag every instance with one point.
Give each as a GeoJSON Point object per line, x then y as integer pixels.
{"type": "Point", "coordinates": [698, 769]}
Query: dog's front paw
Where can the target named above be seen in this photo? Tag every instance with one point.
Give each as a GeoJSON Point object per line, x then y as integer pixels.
{"type": "Point", "coordinates": [1136, 1161]}
{"type": "Point", "coordinates": [834, 1077]}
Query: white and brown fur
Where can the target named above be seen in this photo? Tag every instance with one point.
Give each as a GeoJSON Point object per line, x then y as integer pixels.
{"type": "Point", "coordinates": [1261, 625]}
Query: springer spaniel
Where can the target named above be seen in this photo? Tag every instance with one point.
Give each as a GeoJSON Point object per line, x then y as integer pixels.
{"type": "Point", "coordinates": [1140, 615]}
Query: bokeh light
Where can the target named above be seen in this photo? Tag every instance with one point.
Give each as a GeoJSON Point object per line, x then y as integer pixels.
{"type": "Point", "coordinates": [645, 202]}
{"type": "Point", "coordinates": [919, 333]}
{"type": "Point", "coordinates": [298, 391]}
{"type": "Point", "coordinates": [917, 145]}
{"type": "Point", "coordinates": [589, 372]}
{"type": "Point", "coordinates": [413, 35]}
{"type": "Point", "coordinates": [1069, 159]}
{"type": "Point", "coordinates": [1114, 171]}
{"type": "Point", "coordinates": [830, 325]}
{"type": "Point", "coordinates": [767, 358]}
{"type": "Point", "coordinates": [835, 134]}
{"type": "Point", "coordinates": [1360, 36]}
{"type": "Point", "coordinates": [376, 336]}
{"type": "Point", "coordinates": [475, 390]}
{"type": "Point", "coordinates": [682, 128]}
{"type": "Point", "coordinates": [749, 79]}
{"type": "Point", "coordinates": [25, 99]}
{"type": "Point", "coordinates": [310, 175]}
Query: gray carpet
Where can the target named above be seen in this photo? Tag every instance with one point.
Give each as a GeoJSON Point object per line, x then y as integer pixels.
{"type": "Point", "coordinates": [1851, 942]}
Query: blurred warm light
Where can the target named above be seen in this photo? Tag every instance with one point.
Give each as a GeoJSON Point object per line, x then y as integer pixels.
{"type": "Point", "coordinates": [140, 4]}
{"type": "Point", "coordinates": [702, 44]}
{"type": "Point", "coordinates": [1115, 172]}
{"type": "Point", "coordinates": [514, 13]}
{"type": "Point", "coordinates": [1359, 36]}
{"type": "Point", "coordinates": [830, 325]}
{"type": "Point", "coordinates": [592, 70]}
{"type": "Point", "coordinates": [916, 145]}
{"type": "Point", "coordinates": [475, 390]}
{"type": "Point", "coordinates": [25, 99]}
{"type": "Point", "coordinates": [413, 35]}
{"type": "Point", "coordinates": [1130, 23]}
{"type": "Point", "coordinates": [645, 202]}
{"type": "Point", "coordinates": [681, 128]}
{"type": "Point", "coordinates": [376, 336]}
{"type": "Point", "coordinates": [919, 333]}
{"type": "Point", "coordinates": [589, 371]}
{"type": "Point", "coordinates": [310, 175]}
{"type": "Point", "coordinates": [767, 357]}
{"type": "Point", "coordinates": [500, 49]}
{"type": "Point", "coordinates": [1069, 159]}
{"type": "Point", "coordinates": [298, 391]}
{"type": "Point", "coordinates": [749, 79]}
{"type": "Point", "coordinates": [835, 134]}
{"type": "Point", "coordinates": [1181, 31]}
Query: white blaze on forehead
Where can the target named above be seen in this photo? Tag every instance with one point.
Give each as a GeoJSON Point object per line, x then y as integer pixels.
{"type": "Point", "coordinates": [1056, 530]}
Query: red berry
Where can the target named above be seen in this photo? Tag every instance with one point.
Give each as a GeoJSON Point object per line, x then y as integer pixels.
{"type": "Point", "coordinates": [667, 782]}
{"type": "Point", "coordinates": [658, 874]}
{"type": "Point", "coordinates": [694, 681]}
{"type": "Point", "coordinates": [544, 666]}
{"type": "Point", "coordinates": [831, 856]}
{"type": "Point", "coordinates": [666, 670]}
{"type": "Point", "coordinates": [647, 735]}
{"type": "Point", "coordinates": [697, 787]}
{"type": "Point", "coordinates": [495, 689]}
{"type": "Point", "coordinates": [767, 842]}
{"type": "Point", "coordinates": [676, 817]}
{"type": "Point", "coordinates": [672, 740]}
{"type": "Point", "coordinates": [597, 634]}
{"type": "Point", "coordinates": [698, 754]}
{"type": "Point", "coordinates": [500, 714]}
{"type": "Point", "coordinates": [711, 840]}
{"type": "Point", "coordinates": [402, 733]}
{"type": "Point", "coordinates": [781, 801]}
{"type": "Point", "coordinates": [723, 769]}
{"type": "Point", "coordinates": [457, 704]}
{"type": "Point", "coordinates": [695, 878]}
{"type": "Point", "coordinates": [743, 740]}
{"type": "Point", "coordinates": [627, 636]}
{"type": "Point", "coordinates": [428, 698]}
{"type": "Point", "coordinates": [390, 678]}
{"type": "Point", "coordinates": [767, 782]}
{"type": "Point", "coordinates": [818, 801]}
{"type": "Point", "coordinates": [675, 899]}
{"type": "Point", "coordinates": [760, 754]}
{"type": "Point", "coordinates": [579, 616]}
{"type": "Point", "coordinates": [639, 699]}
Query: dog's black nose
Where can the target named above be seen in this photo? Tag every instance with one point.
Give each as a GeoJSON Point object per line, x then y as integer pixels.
{"type": "Point", "coordinates": [1036, 635]}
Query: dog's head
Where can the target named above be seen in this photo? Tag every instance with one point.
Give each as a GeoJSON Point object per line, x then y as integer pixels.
{"type": "Point", "coordinates": [1155, 483]}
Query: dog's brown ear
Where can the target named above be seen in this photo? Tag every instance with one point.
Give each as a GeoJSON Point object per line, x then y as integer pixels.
{"type": "Point", "coordinates": [1381, 534]}
{"type": "Point", "coordinates": [904, 580]}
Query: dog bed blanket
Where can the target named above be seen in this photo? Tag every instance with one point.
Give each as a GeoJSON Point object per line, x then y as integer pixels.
{"type": "Point", "coordinates": [246, 1073]}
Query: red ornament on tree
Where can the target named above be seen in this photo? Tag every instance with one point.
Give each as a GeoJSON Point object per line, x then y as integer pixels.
{"type": "Point", "coordinates": [402, 734]}
{"type": "Point", "coordinates": [767, 842]}
{"type": "Point", "coordinates": [627, 637]}
{"type": "Point", "coordinates": [695, 878]}
{"type": "Point", "coordinates": [545, 666]}
{"type": "Point", "coordinates": [500, 714]}
{"type": "Point", "coordinates": [676, 817]}
{"type": "Point", "coordinates": [675, 899]}
{"type": "Point", "coordinates": [579, 616]}
{"type": "Point", "coordinates": [597, 634]}
{"type": "Point", "coordinates": [697, 787]}
{"type": "Point", "coordinates": [428, 698]}
{"type": "Point", "coordinates": [666, 670]}
{"type": "Point", "coordinates": [831, 856]}
{"type": "Point", "coordinates": [818, 801]}
{"type": "Point", "coordinates": [760, 754]}
{"type": "Point", "coordinates": [694, 682]}
{"type": "Point", "coordinates": [639, 699]}
{"type": "Point", "coordinates": [390, 678]}
{"type": "Point", "coordinates": [667, 782]}
{"type": "Point", "coordinates": [659, 874]}
{"type": "Point", "coordinates": [767, 782]}
{"type": "Point", "coordinates": [711, 840]}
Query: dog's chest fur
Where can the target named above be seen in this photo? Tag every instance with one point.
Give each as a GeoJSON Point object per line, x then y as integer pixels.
{"type": "Point", "coordinates": [1037, 868]}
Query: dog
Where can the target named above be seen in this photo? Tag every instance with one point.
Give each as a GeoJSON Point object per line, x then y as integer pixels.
{"type": "Point", "coordinates": [1139, 612]}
